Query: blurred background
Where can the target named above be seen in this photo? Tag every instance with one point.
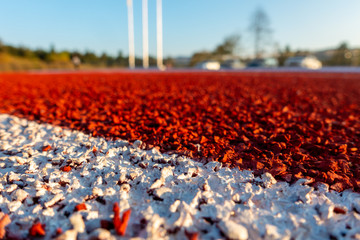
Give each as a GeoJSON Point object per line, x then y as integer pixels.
{"type": "Point", "coordinates": [202, 34]}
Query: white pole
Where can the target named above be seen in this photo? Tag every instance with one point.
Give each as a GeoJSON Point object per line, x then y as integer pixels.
{"type": "Point", "coordinates": [131, 34]}
{"type": "Point", "coordinates": [145, 33]}
{"type": "Point", "coordinates": [159, 34]}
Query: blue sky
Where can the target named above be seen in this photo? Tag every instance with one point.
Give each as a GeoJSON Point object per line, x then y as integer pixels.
{"type": "Point", "coordinates": [188, 25]}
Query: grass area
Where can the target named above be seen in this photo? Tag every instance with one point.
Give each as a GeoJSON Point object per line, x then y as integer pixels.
{"type": "Point", "coordinates": [10, 63]}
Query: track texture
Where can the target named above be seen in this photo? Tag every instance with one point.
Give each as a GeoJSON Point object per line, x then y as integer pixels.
{"type": "Point", "coordinates": [293, 125]}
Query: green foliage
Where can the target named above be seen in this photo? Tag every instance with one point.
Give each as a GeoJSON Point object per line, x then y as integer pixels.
{"type": "Point", "coordinates": [121, 60]}
{"type": "Point", "coordinates": [19, 51]}
{"type": "Point", "coordinates": [41, 54]}
{"type": "Point", "coordinates": [1, 46]}
{"type": "Point", "coordinates": [285, 54]}
{"type": "Point", "coordinates": [199, 57]}
{"type": "Point", "coordinates": [90, 58]}
{"type": "Point", "coordinates": [228, 46]}
{"type": "Point", "coordinates": [341, 57]}
{"type": "Point", "coordinates": [60, 59]}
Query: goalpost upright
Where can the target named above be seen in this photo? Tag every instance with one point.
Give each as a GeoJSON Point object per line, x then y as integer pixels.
{"type": "Point", "coordinates": [145, 32]}
{"type": "Point", "coordinates": [131, 34]}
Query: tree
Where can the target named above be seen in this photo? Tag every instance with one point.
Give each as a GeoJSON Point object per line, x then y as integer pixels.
{"type": "Point", "coordinates": [342, 56]}
{"type": "Point", "coordinates": [41, 54]}
{"type": "Point", "coordinates": [1, 46]}
{"type": "Point", "coordinates": [106, 60]}
{"type": "Point", "coordinates": [199, 57]}
{"type": "Point", "coordinates": [260, 28]}
{"type": "Point", "coordinates": [25, 52]}
{"type": "Point", "coordinates": [121, 60]}
{"type": "Point", "coordinates": [229, 46]}
{"type": "Point", "coordinates": [285, 54]}
{"type": "Point", "coordinates": [169, 62]}
{"type": "Point", "coordinates": [89, 58]}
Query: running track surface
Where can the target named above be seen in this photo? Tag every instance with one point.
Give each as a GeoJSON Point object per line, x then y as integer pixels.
{"type": "Point", "coordinates": [291, 124]}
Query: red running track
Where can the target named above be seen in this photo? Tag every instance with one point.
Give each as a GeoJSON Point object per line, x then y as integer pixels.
{"type": "Point", "coordinates": [291, 124]}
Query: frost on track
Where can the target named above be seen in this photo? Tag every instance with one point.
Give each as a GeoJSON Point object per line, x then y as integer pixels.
{"type": "Point", "coordinates": [171, 197]}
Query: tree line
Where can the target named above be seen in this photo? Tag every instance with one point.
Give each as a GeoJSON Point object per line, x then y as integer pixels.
{"type": "Point", "coordinates": [88, 58]}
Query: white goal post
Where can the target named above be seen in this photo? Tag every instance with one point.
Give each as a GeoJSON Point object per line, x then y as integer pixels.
{"type": "Point", "coordinates": [145, 33]}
